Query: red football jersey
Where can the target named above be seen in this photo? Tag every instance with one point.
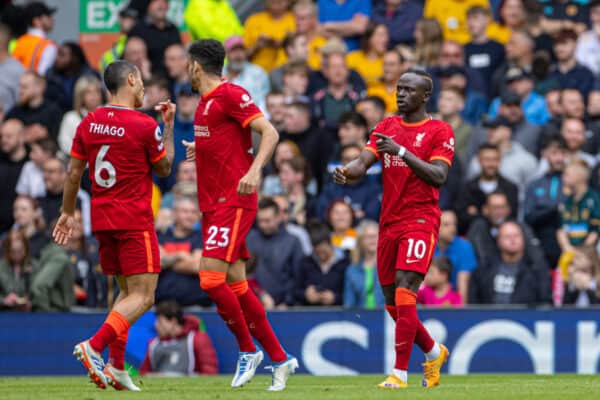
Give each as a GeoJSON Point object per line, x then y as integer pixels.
{"type": "Point", "coordinates": [406, 198]}
{"type": "Point", "coordinates": [120, 145]}
{"type": "Point", "coordinates": [224, 146]}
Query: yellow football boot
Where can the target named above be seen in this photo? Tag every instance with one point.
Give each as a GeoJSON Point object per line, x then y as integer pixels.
{"type": "Point", "coordinates": [431, 369]}
{"type": "Point", "coordinates": [393, 382]}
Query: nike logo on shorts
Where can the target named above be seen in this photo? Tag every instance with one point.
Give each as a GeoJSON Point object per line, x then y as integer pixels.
{"type": "Point", "coordinates": [412, 261]}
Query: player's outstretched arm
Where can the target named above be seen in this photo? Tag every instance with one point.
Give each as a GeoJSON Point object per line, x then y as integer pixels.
{"type": "Point", "coordinates": [163, 166]}
{"type": "Point", "coordinates": [64, 226]}
{"type": "Point", "coordinates": [433, 173]}
{"type": "Point", "coordinates": [270, 137]}
{"type": "Point", "coordinates": [355, 169]}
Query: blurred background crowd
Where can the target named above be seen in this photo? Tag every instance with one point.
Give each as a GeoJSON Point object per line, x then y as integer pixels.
{"type": "Point", "coordinates": [518, 80]}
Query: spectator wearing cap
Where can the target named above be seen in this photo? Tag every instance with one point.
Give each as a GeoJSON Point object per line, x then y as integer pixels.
{"type": "Point", "coordinates": [345, 18]}
{"type": "Point", "coordinates": [588, 43]}
{"type": "Point", "coordinates": [519, 52]}
{"type": "Point", "coordinates": [385, 88]}
{"type": "Point", "coordinates": [517, 164]}
{"type": "Point", "coordinates": [567, 71]}
{"type": "Point", "coordinates": [565, 14]}
{"type": "Point", "coordinates": [318, 79]}
{"type": "Point", "coordinates": [265, 31]}
{"type": "Point", "coordinates": [543, 196]}
{"type": "Point", "coordinates": [33, 49]}
{"type": "Point", "coordinates": [158, 33]}
{"type": "Point", "coordinates": [241, 72]}
{"type": "Point", "coordinates": [127, 19]}
{"type": "Point", "coordinates": [296, 50]}
{"type": "Point", "coordinates": [307, 24]}
{"type": "Point", "coordinates": [183, 129]}
{"type": "Point", "coordinates": [176, 64]}
{"type": "Point", "coordinates": [474, 193]}
{"type": "Point", "coordinates": [10, 72]}
{"type": "Point", "coordinates": [533, 105]}
{"type": "Point", "coordinates": [512, 276]}
{"type": "Point", "coordinates": [40, 116]}
{"type": "Point", "coordinates": [455, 76]}
{"type": "Point", "coordinates": [400, 17]}
{"type": "Point", "coordinates": [510, 109]}
{"type": "Point", "coordinates": [482, 53]}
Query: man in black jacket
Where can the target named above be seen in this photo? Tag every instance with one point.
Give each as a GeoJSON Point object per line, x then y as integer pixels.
{"type": "Point", "coordinates": [513, 278]}
{"type": "Point", "coordinates": [543, 197]}
{"type": "Point", "coordinates": [475, 192]}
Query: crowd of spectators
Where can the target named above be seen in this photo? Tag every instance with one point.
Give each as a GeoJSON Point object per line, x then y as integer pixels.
{"type": "Point", "coordinates": [518, 81]}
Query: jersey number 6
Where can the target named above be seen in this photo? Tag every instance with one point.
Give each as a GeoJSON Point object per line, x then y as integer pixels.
{"type": "Point", "coordinates": [103, 165]}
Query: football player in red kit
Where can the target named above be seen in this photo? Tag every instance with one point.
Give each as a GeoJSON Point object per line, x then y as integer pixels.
{"type": "Point", "coordinates": [228, 176]}
{"type": "Point", "coordinates": [122, 147]}
{"type": "Point", "coordinates": [416, 152]}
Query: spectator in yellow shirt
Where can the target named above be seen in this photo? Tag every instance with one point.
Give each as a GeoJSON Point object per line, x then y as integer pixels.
{"type": "Point", "coordinates": [368, 61]}
{"type": "Point", "coordinates": [264, 33]}
{"type": "Point", "coordinates": [386, 87]}
{"type": "Point", "coordinates": [307, 24]}
{"type": "Point", "coordinates": [452, 16]}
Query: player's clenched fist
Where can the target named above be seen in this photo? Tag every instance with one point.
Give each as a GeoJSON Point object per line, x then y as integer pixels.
{"type": "Point", "coordinates": [340, 175]}
{"type": "Point", "coordinates": [248, 183]}
{"type": "Point", "coordinates": [386, 144]}
{"type": "Point", "coordinates": [190, 150]}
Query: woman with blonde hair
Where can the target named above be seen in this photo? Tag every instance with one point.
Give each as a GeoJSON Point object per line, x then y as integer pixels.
{"type": "Point", "coordinates": [582, 288]}
{"type": "Point", "coordinates": [361, 285]}
{"type": "Point", "coordinates": [87, 97]}
{"type": "Point", "coordinates": [429, 38]}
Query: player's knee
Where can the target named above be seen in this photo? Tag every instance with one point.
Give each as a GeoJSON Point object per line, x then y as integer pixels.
{"type": "Point", "coordinates": [211, 279]}
{"type": "Point", "coordinates": [408, 280]}
{"type": "Point", "coordinates": [389, 294]}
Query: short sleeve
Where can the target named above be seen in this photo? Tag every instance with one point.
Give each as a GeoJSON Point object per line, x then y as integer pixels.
{"type": "Point", "coordinates": [154, 144]}
{"type": "Point", "coordinates": [443, 145]}
{"type": "Point", "coordinates": [372, 143]}
{"type": "Point", "coordinates": [364, 8]}
{"type": "Point", "coordinates": [241, 106]}
{"type": "Point", "coordinates": [77, 147]}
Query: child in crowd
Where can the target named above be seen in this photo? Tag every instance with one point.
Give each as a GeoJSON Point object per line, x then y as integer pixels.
{"type": "Point", "coordinates": [437, 290]}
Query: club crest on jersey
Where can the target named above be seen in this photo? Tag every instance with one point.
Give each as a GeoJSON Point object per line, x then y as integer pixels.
{"type": "Point", "coordinates": [419, 139]}
{"type": "Point", "coordinates": [246, 101]}
{"type": "Point", "coordinates": [207, 106]}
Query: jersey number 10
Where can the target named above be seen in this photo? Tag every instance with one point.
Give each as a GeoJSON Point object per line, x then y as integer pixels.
{"type": "Point", "coordinates": [104, 165]}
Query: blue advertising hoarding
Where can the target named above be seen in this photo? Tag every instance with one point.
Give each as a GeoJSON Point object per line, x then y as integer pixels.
{"type": "Point", "coordinates": [338, 342]}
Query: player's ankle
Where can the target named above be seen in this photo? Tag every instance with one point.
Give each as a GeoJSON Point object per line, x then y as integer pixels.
{"type": "Point", "coordinates": [434, 352]}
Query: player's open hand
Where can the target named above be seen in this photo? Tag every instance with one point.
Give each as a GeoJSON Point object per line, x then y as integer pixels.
{"type": "Point", "coordinates": [340, 175]}
{"type": "Point", "coordinates": [190, 150]}
{"type": "Point", "coordinates": [248, 183]}
{"type": "Point", "coordinates": [168, 111]}
{"type": "Point", "coordinates": [64, 229]}
{"type": "Point", "coordinates": [386, 144]}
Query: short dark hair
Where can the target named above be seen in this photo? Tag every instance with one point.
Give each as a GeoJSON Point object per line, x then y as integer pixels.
{"type": "Point", "coordinates": [423, 74]}
{"type": "Point", "coordinates": [116, 74]}
{"type": "Point", "coordinates": [300, 106]}
{"type": "Point", "coordinates": [478, 10]}
{"type": "Point", "coordinates": [376, 100]}
{"type": "Point", "coordinates": [353, 118]}
{"type": "Point", "coordinates": [210, 54]}
{"type": "Point", "coordinates": [554, 140]}
{"type": "Point", "coordinates": [268, 202]}
{"type": "Point", "coordinates": [290, 39]}
{"type": "Point", "coordinates": [443, 264]}
{"type": "Point", "coordinates": [157, 80]}
{"type": "Point", "coordinates": [170, 309]}
{"type": "Point", "coordinates": [593, 4]}
{"type": "Point", "coordinates": [487, 146]}
{"type": "Point", "coordinates": [47, 144]}
{"type": "Point", "coordinates": [294, 67]}
{"type": "Point", "coordinates": [497, 192]}
{"type": "Point", "coordinates": [319, 233]}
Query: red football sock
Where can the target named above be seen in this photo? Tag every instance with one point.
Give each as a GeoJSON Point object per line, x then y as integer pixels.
{"type": "Point", "coordinates": [114, 325]}
{"type": "Point", "coordinates": [257, 321]}
{"type": "Point", "coordinates": [423, 339]}
{"type": "Point", "coordinates": [228, 307]}
{"type": "Point", "coordinates": [116, 351]}
{"type": "Point", "coordinates": [406, 326]}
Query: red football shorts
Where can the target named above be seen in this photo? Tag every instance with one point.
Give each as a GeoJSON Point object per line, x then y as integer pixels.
{"type": "Point", "coordinates": [404, 251]}
{"type": "Point", "coordinates": [224, 231]}
{"type": "Point", "coordinates": [128, 252]}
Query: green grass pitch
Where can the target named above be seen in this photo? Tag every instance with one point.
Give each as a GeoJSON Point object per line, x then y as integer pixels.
{"type": "Point", "coordinates": [304, 387]}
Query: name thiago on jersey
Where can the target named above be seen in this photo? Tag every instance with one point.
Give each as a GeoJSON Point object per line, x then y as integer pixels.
{"type": "Point", "coordinates": [111, 130]}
